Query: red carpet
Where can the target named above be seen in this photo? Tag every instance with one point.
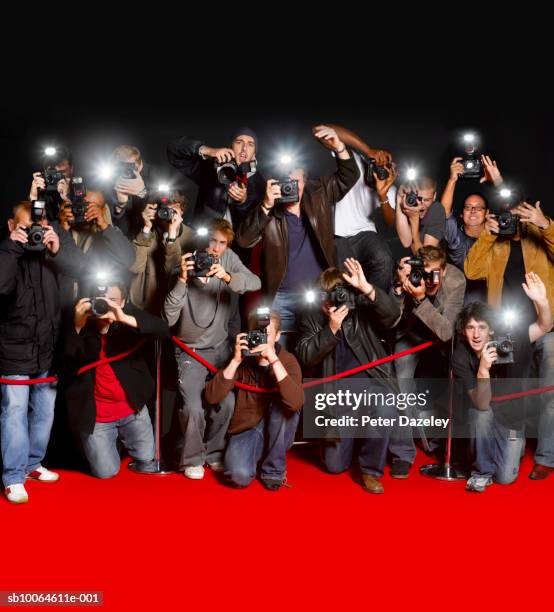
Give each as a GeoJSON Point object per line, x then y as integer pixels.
{"type": "Point", "coordinates": [165, 542]}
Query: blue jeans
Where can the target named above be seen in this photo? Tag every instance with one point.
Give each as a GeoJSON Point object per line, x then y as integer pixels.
{"type": "Point", "coordinates": [100, 447]}
{"type": "Point", "coordinates": [372, 252]}
{"type": "Point", "coordinates": [270, 439]}
{"type": "Point", "coordinates": [26, 421]}
{"type": "Point", "coordinates": [497, 448]}
{"type": "Point", "coordinates": [371, 451]}
{"type": "Point", "coordinates": [290, 306]}
{"type": "Point", "coordinates": [544, 355]}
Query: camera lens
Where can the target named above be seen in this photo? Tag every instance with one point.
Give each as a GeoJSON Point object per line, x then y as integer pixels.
{"type": "Point", "coordinates": [99, 307]}
{"type": "Point", "coordinates": [286, 189]}
{"type": "Point", "coordinates": [505, 347]}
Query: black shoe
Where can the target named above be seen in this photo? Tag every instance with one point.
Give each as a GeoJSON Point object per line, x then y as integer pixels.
{"type": "Point", "coordinates": [272, 484]}
{"type": "Point", "coordinates": [400, 469]}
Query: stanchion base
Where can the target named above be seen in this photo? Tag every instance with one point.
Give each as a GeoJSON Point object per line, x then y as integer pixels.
{"type": "Point", "coordinates": [443, 471]}
{"type": "Point", "coordinates": [156, 468]}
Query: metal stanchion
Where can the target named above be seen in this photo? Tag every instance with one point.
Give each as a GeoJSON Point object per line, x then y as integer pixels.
{"type": "Point", "coordinates": [157, 466]}
{"type": "Point", "coordinates": [446, 471]}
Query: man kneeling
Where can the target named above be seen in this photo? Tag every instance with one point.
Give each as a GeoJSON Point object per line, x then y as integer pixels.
{"type": "Point", "coordinates": [108, 402]}
{"type": "Point", "coordinates": [263, 426]}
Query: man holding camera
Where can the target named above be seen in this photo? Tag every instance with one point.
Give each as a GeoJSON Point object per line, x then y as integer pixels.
{"type": "Point", "coordinates": [104, 246]}
{"type": "Point", "coordinates": [369, 204]}
{"type": "Point", "coordinates": [515, 242]}
{"type": "Point", "coordinates": [30, 259]}
{"type": "Point", "coordinates": [262, 428]}
{"type": "Point", "coordinates": [483, 357]}
{"type": "Point", "coordinates": [158, 249]}
{"type": "Point", "coordinates": [430, 294]}
{"type": "Point", "coordinates": [201, 305]}
{"type": "Point", "coordinates": [460, 234]}
{"type": "Point", "coordinates": [54, 183]}
{"type": "Point", "coordinates": [129, 193]}
{"type": "Point", "coordinates": [228, 182]}
{"type": "Point", "coordinates": [420, 218]}
{"type": "Point", "coordinates": [297, 232]}
{"type": "Point", "coordinates": [109, 402]}
{"type": "Point", "coordinates": [342, 337]}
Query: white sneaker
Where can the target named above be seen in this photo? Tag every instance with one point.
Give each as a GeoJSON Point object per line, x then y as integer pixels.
{"type": "Point", "coordinates": [217, 466]}
{"type": "Point", "coordinates": [44, 475]}
{"type": "Point", "coordinates": [194, 472]}
{"type": "Point", "coordinates": [478, 484]}
{"type": "Point", "coordinates": [16, 494]}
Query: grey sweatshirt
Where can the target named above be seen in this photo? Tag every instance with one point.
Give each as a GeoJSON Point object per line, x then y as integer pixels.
{"type": "Point", "coordinates": [193, 308]}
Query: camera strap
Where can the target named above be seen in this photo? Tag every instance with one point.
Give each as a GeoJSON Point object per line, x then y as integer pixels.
{"type": "Point", "coordinates": [218, 299]}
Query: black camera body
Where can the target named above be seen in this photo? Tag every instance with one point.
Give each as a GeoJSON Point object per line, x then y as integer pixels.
{"type": "Point", "coordinates": [411, 198]}
{"type": "Point", "coordinates": [342, 295]}
{"type": "Point", "coordinates": [473, 168]}
{"type": "Point", "coordinates": [289, 191]}
{"type": "Point", "coordinates": [418, 272]}
{"type": "Point", "coordinates": [229, 172]}
{"type": "Point", "coordinates": [126, 170]}
{"type": "Point", "coordinates": [373, 167]}
{"type": "Point", "coordinates": [99, 306]}
{"type": "Point", "coordinates": [203, 261]}
{"type": "Point", "coordinates": [35, 233]}
{"type": "Point", "coordinates": [164, 212]}
{"type": "Point", "coordinates": [507, 223]}
{"type": "Point", "coordinates": [78, 205]}
{"type": "Point", "coordinates": [51, 179]}
{"type": "Point", "coordinates": [504, 346]}
{"type": "Point", "coordinates": [258, 336]}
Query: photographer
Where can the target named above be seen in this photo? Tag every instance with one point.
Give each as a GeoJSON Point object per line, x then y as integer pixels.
{"type": "Point", "coordinates": [104, 246]}
{"type": "Point", "coordinates": [158, 249]}
{"type": "Point", "coordinates": [297, 236]}
{"type": "Point", "coordinates": [498, 430]}
{"type": "Point", "coordinates": [29, 325]}
{"type": "Point", "coordinates": [358, 214]}
{"type": "Point", "coordinates": [129, 193]}
{"type": "Point", "coordinates": [340, 339]}
{"type": "Point", "coordinates": [430, 295]}
{"type": "Point", "coordinates": [502, 261]}
{"type": "Point", "coordinates": [109, 402]}
{"type": "Point", "coordinates": [420, 218]}
{"type": "Point", "coordinates": [58, 170]}
{"type": "Point", "coordinates": [241, 189]}
{"type": "Point", "coordinates": [262, 428]}
{"type": "Point", "coordinates": [200, 306]}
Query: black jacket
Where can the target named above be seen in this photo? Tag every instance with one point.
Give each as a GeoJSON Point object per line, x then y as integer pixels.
{"type": "Point", "coordinates": [211, 201]}
{"type": "Point", "coordinates": [30, 303]}
{"type": "Point", "coordinates": [132, 371]}
{"type": "Point", "coordinates": [362, 331]}
{"type": "Point", "coordinates": [317, 204]}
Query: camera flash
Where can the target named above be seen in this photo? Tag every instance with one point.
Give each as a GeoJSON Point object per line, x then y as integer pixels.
{"type": "Point", "coordinates": [411, 174]}
{"type": "Point", "coordinates": [310, 297]}
{"type": "Point", "coordinates": [469, 138]}
{"type": "Point", "coordinates": [202, 231]}
{"type": "Point", "coordinates": [286, 159]}
{"type": "Point", "coordinates": [101, 275]}
{"type": "Point", "coordinates": [105, 171]}
{"type": "Point", "coordinates": [163, 187]}
{"type": "Point", "coordinates": [50, 151]}
{"type": "Point", "coordinates": [510, 316]}
{"type": "Point", "coordinates": [505, 193]}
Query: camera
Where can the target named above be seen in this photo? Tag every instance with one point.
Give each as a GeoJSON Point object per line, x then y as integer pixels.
{"type": "Point", "coordinates": [411, 198]}
{"type": "Point", "coordinates": [165, 212]}
{"type": "Point", "coordinates": [504, 346]}
{"type": "Point", "coordinates": [99, 305]}
{"type": "Point", "coordinates": [473, 168]}
{"type": "Point", "coordinates": [78, 204]}
{"type": "Point", "coordinates": [374, 168]}
{"type": "Point", "coordinates": [203, 261]}
{"type": "Point", "coordinates": [342, 295]}
{"type": "Point", "coordinates": [35, 233]}
{"type": "Point", "coordinates": [229, 172]}
{"type": "Point", "coordinates": [418, 273]}
{"type": "Point", "coordinates": [507, 223]}
{"type": "Point", "coordinates": [289, 191]}
{"type": "Point", "coordinates": [51, 178]}
{"type": "Point", "coordinates": [126, 170]}
{"type": "Point", "coordinates": [258, 336]}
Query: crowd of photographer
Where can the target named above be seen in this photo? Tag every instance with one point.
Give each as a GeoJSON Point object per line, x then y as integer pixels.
{"type": "Point", "coordinates": [89, 275]}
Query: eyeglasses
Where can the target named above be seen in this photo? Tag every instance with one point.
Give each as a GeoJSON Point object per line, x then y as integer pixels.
{"type": "Point", "coordinates": [474, 208]}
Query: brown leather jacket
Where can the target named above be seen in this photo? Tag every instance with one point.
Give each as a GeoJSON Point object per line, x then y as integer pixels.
{"type": "Point", "coordinates": [318, 201]}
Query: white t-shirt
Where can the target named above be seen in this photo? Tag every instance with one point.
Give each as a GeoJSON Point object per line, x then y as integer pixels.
{"type": "Point", "coordinates": [352, 213]}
